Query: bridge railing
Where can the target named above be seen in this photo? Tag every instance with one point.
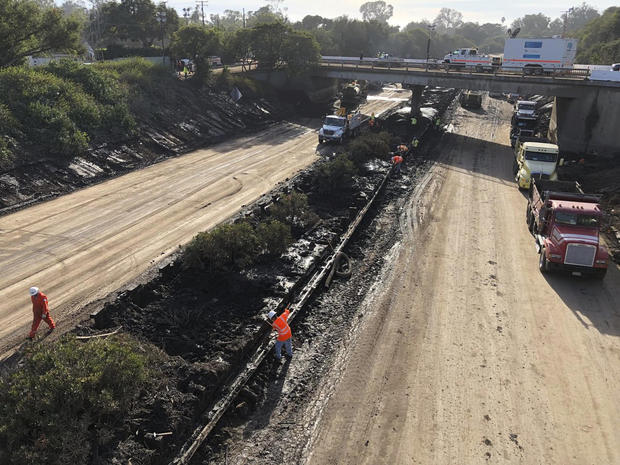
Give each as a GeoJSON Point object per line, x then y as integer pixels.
{"type": "Point", "coordinates": [408, 65]}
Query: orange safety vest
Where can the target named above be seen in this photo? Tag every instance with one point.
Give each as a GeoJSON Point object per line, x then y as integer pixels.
{"type": "Point", "coordinates": [282, 327]}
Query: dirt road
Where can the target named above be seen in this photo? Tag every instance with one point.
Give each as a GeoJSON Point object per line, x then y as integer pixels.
{"type": "Point", "coordinates": [471, 355]}
{"type": "Point", "coordinates": [80, 247]}
{"type": "Point", "coordinates": [447, 346]}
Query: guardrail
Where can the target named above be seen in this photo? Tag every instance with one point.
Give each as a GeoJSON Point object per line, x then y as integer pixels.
{"type": "Point", "coordinates": [448, 68]}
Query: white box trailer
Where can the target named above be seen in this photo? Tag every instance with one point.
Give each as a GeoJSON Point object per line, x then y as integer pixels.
{"type": "Point", "coordinates": [539, 55]}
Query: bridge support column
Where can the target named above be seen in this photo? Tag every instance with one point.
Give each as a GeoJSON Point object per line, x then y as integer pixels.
{"type": "Point", "coordinates": [416, 99]}
{"type": "Point", "coordinates": [587, 124]}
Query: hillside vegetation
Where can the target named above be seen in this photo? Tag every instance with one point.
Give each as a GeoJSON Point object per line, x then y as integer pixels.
{"type": "Point", "coordinates": [600, 39]}
{"type": "Point", "coordinates": [58, 110]}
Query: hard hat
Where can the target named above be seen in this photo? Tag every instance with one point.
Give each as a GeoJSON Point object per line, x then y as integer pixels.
{"type": "Point", "coordinates": [34, 291]}
{"type": "Point", "coordinates": [271, 314]}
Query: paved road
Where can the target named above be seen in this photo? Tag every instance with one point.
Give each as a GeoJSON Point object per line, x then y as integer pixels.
{"type": "Point", "coordinates": [472, 356]}
{"type": "Point", "coordinates": [82, 246]}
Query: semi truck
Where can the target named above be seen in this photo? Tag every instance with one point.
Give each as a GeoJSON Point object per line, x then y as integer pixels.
{"type": "Point", "coordinates": [534, 158]}
{"type": "Point", "coordinates": [338, 127]}
{"type": "Point", "coordinates": [566, 225]}
{"type": "Point", "coordinates": [470, 59]}
{"type": "Point", "coordinates": [535, 56]}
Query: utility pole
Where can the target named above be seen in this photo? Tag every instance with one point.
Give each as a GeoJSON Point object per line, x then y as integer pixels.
{"type": "Point", "coordinates": [566, 13]}
{"type": "Point", "coordinates": [202, 8]}
{"type": "Point", "coordinates": [431, 27]}
{"type": "Point", "coordinates": [161, 18]}
{"type": "Point", "coordinates": [244, 18]}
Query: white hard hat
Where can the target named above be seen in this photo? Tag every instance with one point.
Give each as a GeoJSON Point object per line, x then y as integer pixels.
{"type": "Point", "coordinates": [34, 290]}
{"type": "Point", "coordinates": [271, 314]}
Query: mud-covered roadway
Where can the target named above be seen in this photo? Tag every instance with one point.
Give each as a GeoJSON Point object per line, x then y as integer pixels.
{"type": "Point", "coordinates": [80, 247]}
{"type": "Point", "coordinates": [447, 345]}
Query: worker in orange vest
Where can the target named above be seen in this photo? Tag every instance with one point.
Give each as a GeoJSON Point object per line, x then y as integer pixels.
{"type": "Point", "coordinates": [397, 160]}
{"type": "Point", "coordinates": [280, 325]}
{"type": "Point", "coordinates": [403, 149]}
{"type": "Point", "coordinates": [40, 311]}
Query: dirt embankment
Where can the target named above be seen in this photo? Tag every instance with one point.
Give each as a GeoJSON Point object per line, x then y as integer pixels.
{"type": "Point", "coordinates": [208, 326]}
{"type": "Point", "coordinates": [184, 119]}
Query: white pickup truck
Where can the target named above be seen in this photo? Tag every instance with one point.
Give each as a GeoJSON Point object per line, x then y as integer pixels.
{"type": "Point", "coordinates": [336, 128]}
{"type": "Point", "coordinates": [470, 59]}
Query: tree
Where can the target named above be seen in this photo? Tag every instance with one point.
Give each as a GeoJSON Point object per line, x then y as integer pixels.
{"type": "Point", "coordinates": [264, 15]}
{"type": "Point", "coordinates": [377, 11]}
{"type": "Point", "coordinates": [267, 43]}
{"type": "Point", "coordinates": [197, 42]}
{"type": "Point", "coordinates": [580, 16]}
{"type": "Point", "coordinates": [27, 29]}
{"type": "Point", "coordinates": [300, 51]}
{"type": "Point", "coordinates": [533, 25]}
{"type": "Point", "coordinates": [599, 41]}
{"type": "Point", "coordinates": [448, 19]}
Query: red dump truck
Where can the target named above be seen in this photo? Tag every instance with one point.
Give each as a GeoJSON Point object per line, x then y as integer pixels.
{"type": "Point", "coordinates": [566, 224]}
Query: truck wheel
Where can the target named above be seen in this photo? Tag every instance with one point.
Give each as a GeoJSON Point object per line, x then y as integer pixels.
{"type": "Point", "coordinates": [320, 140]}
{"type": "Point", "coordinates": [543, 264]}
{"type": "Point", "coordinates": [600, 273]}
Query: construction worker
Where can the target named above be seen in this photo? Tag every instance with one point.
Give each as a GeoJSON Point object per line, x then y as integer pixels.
{"type": "Point", "coordinates": [397, 160]}
{"type": "Point", "coordinates": [415, 142]}
{"type": "Point", "coordinates": [371, 123]}
{"type": "Point", "coordinates": [414, 120]}
{"type": "Point", "coordinates": [438, 123]}
{"type": "Point", "coordinates": [280, 325]}
{"type": "Point", "coordinates": [403, 149]}
{"type": "Point", "coordinates": [40, 311]}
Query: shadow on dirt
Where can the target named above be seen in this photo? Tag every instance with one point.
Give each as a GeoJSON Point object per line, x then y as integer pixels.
{"type": "Point", "coordinates": [595, 303]}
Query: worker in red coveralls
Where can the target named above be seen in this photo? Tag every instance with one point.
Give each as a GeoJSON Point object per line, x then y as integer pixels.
{"type": "Point", "coordinates": [280, 325]}
{"type": "Point", "coordinates": [40, 311]}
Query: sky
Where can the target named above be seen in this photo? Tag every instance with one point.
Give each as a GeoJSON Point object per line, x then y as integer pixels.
{"type": "Point", "coordinates": [405, 11]}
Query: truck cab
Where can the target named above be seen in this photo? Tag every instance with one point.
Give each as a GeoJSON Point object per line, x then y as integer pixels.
{"type": "Point", "coordinates": [566, 223]}
{"type": "Point", "coordinates": [525, 108]}
{"type": "Point", "coordinates": [535, 160]}
{"type": "Point", "coordinates": [338, 127]}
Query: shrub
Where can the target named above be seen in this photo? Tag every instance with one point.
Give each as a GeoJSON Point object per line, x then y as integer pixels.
{"type": "Point", "coordinates": [226, 81]}
{"type": "Point", "coordinates": [225, 248]}
{"type": "Point", "coordinates": [274, 237]}
{"type": "Point", "coordinates": [67, 397]}
{"type": "Point", "coordinates": [369, 146]}
{"type": "Point", "coordinates": [293, 209]}
{"type": "Point", "coordinates": [61, 107]}
{"type": "Point", "coordinates": [335, 178]}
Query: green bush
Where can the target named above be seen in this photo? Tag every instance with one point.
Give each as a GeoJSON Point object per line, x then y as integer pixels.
{"type": "Point", "coordinates": [227, 247]}
{"type": "Point", "coordinates": [68, 397]}
{"type": "Point", "coordinates": [293, 209]}
{"type": "Point", "coordinates": [274, 237]}
{"type": "Point", "coordinates": [335, 178]}
{"type": "Point", "coordinates": [62, 107]}
{"type": "Point", "coordinates": [226, 81]}
{"type": "Point", "coordinates": [139, 75]}
{"type": "Point", "coordinates": [369, 146]}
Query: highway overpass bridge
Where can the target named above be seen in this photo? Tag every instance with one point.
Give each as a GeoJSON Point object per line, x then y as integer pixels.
{"type": "Point", "coordinates": [585, 116]}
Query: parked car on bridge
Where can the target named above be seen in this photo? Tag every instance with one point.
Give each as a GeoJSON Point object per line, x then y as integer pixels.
{"type": "Point", "coordinates": [615, 67]}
